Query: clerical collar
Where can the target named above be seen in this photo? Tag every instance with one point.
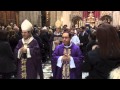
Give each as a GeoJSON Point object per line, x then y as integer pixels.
{"type": "Point", "coordinates": [28, 40]}
{"type": "Point", "coordinates": [68, 46]}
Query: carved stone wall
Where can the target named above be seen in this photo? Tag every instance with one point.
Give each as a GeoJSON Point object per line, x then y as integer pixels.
{"type": "Point", "coordinates": [33, 16]}
{"type": "Point", "coordinates": [76, 13]}
{"type": "Point", "coordinates": [102, 13]}
{"type": "Point", "coordinates": [53, 17]}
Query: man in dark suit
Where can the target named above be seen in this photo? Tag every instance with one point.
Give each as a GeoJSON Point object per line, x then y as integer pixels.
{"type": "Point", "coordinates": [83, 36]}
{"type": "Point", "coordinates": [45, 41]}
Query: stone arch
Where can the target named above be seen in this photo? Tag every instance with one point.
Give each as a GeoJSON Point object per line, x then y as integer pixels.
{"type": "Point", "coordinates": [77, 20]}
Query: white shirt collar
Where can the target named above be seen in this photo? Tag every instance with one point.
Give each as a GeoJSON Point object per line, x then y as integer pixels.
{"type": "Point", "coordinates": [68, 46]}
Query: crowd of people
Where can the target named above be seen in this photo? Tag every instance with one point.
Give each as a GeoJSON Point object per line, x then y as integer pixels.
{"type": "Point", "coordinates": [71, 51]}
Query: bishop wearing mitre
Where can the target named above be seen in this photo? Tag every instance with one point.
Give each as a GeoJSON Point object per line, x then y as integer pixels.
{"type": "Point", "coordinates": [28, 54]}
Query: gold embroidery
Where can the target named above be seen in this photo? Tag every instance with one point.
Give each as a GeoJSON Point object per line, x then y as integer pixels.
{"type": "Point", "coordinates": [23, 61]}
{"type": "Point", "coordinates": [23, 68]}
{"type": "Point", "coordinates": [66, 65]}
{"type": "Point", "coordinates": [24, 75]}
{"type": "Point", "coordinates": [66, 71]}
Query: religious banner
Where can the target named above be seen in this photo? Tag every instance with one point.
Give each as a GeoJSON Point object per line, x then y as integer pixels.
{"type": "Point", "coordinates": [85, 14]}
{"type": "Point", "coordinates": [97, 14]}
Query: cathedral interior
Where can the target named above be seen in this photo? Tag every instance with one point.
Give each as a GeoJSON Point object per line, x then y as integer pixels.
{"type": "Point", "coordinates": [69, 18]}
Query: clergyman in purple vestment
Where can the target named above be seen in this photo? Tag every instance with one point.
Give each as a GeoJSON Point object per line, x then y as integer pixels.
{"type": "Point", "coordinates": [67, 65]}
{"type": "Point", "coordinates": [28, 55]}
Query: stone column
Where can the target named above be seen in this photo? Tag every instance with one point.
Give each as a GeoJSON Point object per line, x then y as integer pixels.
{"type": "Point", "coordinates": [116, 18]}
{"type": "Point", "coordinates": [39, 19]}
{"type": "Point", "coordinates": [22, 16]}
{"type": "Point", "coordinates": [66, 18]}
{"type": "Point", "coordinates": [53, 18]}
{"type": "Point", "coordinates": [59, 13]}
{"type": "Point", "coordinates": [32, 16]}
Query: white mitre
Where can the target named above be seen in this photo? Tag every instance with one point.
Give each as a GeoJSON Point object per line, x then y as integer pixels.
{"type": "Point", "coordinates": [26, 25]}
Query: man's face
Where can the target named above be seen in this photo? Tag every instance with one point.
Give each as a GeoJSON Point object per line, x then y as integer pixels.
{"type": "Point", "coordinates": [81, 30]}
{"type": "Point", "coordinates": [87, 27]}
{"type": "Point", "coordinates": [57, 30]}
{"type": "Point", "coordinates": [65, 38]}
{"type": "Point", "coordinates": [25, 34]}
{"type": "Point", "coordinates": [72, 32]}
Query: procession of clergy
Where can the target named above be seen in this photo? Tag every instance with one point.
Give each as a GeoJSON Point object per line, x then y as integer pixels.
{"type": "Point", "coordinates": [71, 51]}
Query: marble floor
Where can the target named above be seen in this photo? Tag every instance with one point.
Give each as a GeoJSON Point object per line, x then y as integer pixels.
{"type": "Point", "coordinates": [47, 70]}
{"type": "Point", "coordinates": [48, 73]}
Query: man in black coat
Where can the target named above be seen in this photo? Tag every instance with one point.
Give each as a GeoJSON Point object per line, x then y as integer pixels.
{"type": "Point", "coordinates": [7, 60]}
{"type": "Point", "coordinates": [92, 41]}
{"type": "Point", "coordinates": [45, 41]}
{"type": "Point", "coordinates": [83, 36]}
{"type": "Point", "coordinates": [39, 41]}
